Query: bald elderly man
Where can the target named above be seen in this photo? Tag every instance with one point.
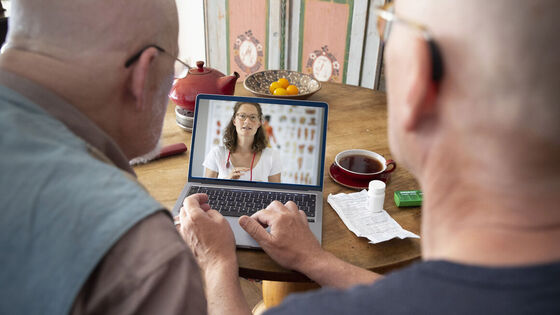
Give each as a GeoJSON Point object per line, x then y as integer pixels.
{"type": "Point", "coordinates": [473, 91]}
{"type": "Point", "coordinates": [82, 91]}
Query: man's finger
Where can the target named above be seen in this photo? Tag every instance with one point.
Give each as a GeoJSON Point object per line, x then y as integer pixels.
{"type": "Point", "coordinates": [253, 228]}
{"type": "Point", "coordinates": [303, 216]}
{"type": "Point", "coordinates": [265, 217]}
{"type": "Point", "coordinates": [291, 205]}
{"type": "Point", "coordinates": [195, 200]}
{"type": "Point", "coordinates": [275, 205]}
{"type": "Point", "coordinates": [193, 211]}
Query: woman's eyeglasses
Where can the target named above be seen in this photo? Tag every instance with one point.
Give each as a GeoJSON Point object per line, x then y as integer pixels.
{"type": "Point", "coordinates": [243, 117]}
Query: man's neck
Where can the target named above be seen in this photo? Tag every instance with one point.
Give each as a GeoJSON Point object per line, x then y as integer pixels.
{"type": "Point", "coordinates": [483, 217]}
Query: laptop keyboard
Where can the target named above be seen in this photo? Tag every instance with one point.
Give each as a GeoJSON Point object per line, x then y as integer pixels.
{"type": "Point", "coordinates": [238, 202]}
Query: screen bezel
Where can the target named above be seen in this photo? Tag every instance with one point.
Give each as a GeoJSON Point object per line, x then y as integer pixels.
{"type": "Point", "coordinates": [205, 180]}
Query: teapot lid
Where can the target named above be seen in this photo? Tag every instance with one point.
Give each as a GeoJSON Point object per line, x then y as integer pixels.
{"type": "Point", "coordinates": [200, 69]}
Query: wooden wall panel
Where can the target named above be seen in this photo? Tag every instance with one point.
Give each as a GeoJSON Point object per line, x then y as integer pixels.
{"type": "Point", "coordinates": [216, 31]}
{"type": "Point", "coordinates": [371, 61]}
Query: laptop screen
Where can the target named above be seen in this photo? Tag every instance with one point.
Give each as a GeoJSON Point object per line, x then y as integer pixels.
{"type": "Point", "coordinates": [287, 140]}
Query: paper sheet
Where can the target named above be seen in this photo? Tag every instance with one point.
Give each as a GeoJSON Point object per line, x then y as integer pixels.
{"type": "Point", "coordinates": [375, 226]}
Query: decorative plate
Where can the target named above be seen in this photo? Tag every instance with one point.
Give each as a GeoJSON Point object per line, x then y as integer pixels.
{"type": "Point", "coordinates": [258, 83]}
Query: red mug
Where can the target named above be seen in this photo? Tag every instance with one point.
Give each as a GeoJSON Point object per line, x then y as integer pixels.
{"type": "Point", "coordinates": [355, 162]}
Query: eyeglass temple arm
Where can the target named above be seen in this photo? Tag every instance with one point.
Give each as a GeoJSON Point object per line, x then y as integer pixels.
{"type": "Point", "coordinates": [136, 56]}
{"type": "Point", "coordinates": [435, 54]}
{"type": "Point", "coordinates": [183, 63]}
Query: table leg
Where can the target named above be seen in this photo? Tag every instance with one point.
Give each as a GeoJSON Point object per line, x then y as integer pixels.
{"type": "Point", "coordinates": [274, 292]}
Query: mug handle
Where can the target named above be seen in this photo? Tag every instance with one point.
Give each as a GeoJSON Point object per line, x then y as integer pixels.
{"type": "Point", "coordinates": [389, 163]}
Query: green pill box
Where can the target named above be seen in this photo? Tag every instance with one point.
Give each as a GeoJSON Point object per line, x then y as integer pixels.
{"type": "Point", "coordinates": [408, 198]}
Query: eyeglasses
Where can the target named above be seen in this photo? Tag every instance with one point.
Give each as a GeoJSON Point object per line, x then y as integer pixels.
{"type": "Point", "coordinates": [180, 67]}
{"type": "Point", "coordinates": [386, 17]}
{"type": "Point", "coordinates": [242, 117]}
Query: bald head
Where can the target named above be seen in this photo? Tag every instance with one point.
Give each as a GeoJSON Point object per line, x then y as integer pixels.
{"type": "Point", "coordinates": [79, 48]}
{"type": "Point", "coordinates": [71, 29]}
{"type": "Point", "coordinates": [501, 60]}
{"type": "Point", "coordinates": [497, 103]}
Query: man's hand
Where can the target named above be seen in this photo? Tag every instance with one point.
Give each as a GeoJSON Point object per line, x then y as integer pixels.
{"type": "Point", "coordinates": [207, 233]}
{"type": "Point", "coordinates": [290, 241]}
{"type": "Point", "coordinates": [211, 240]}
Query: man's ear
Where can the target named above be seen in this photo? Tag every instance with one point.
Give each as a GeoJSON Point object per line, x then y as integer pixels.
{"type": "Point", "coordinates": [423, 91]}
{"type": "Point", "coordinates": [140, 72]}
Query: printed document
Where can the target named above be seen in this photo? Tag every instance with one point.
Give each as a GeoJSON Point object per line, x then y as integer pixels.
{"type": "Point", "coordinates": [375, 226]}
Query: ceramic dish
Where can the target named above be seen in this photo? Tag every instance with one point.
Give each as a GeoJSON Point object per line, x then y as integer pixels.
{"type": "Point", "coordinates": [184, 118]}
{"type": "Point", "coordinates": [258, 83]}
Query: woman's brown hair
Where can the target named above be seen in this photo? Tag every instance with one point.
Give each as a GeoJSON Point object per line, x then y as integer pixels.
{"type": "Point", "coordinates": [230, 134]}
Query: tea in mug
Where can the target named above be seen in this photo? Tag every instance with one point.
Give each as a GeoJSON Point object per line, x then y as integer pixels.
{"type": "Point", "coordinates": [360, 164]}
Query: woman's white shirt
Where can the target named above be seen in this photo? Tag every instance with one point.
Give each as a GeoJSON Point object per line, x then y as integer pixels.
{"type": "Point", "coordinates": [269, 164]}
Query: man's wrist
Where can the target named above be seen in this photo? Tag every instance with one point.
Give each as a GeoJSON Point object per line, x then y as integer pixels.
{"type": "Point", "coordinates": [221, 267]}
{"type": "Point", "coordinates": [311, 263]}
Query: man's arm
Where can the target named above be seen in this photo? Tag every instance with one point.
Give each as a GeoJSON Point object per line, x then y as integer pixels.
{"type": "Point", "coordinates": [292, 244]}
{"type": "Point", "coordinates": [210, 237]}
{"type": "Point", "coordinates": [223, 290]}
{"type": "Point", "coordinates": [148, 271]}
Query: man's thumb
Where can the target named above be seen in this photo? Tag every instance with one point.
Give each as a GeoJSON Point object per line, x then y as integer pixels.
{"type": "Point", "coordinates": [253, 228]}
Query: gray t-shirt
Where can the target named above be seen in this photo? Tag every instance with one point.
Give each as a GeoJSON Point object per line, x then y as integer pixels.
{"type": "Point", "coordinates": [440, 287]}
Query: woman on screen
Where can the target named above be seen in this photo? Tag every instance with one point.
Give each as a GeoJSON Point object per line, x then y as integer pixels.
{"type": "Point", "coordinates": [244, 154]}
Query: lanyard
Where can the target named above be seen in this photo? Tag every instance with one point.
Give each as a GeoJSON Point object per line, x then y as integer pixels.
{"type": "Point", "coordinates": [252, 161]}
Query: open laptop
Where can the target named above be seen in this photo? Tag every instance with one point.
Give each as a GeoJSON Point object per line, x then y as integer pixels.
{"type": "Point", "coordinates": [296, 132]}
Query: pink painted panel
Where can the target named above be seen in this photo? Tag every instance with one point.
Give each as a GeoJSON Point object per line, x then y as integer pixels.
{"type": "Point", "coordinates": [324, 39]}
{"type": "Point", "coordinates": [247, 36]}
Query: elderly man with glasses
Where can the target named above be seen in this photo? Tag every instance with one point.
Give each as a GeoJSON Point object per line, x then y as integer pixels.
{"type": "Point", "coordinates": [473, 90]}
{"type": "Point", "coordinates": [83, 90]}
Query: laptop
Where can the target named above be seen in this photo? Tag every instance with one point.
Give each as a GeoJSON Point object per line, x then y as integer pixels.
{"type": "Point", "coordinates": [296, 132]}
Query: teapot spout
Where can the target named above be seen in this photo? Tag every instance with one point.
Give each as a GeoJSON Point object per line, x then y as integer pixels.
{"type": "Point", "coordinates": [226, 84]}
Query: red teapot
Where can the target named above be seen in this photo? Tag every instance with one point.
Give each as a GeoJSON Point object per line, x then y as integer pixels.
{"type": "Point", "coordinates": [201, 80]}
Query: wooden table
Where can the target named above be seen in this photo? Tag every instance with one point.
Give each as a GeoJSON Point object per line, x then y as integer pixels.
{"type": "Point", "coordinates": [357, 120]}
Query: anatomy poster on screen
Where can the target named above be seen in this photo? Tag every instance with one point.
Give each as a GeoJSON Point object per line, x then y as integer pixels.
{"type": "Point", "coordinates": [293, 131]}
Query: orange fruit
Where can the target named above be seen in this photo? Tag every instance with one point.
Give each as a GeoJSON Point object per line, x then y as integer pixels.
{"type": "Point", "coordinates": [292, 90]}
{"type": "Point", "coordinates": [283, 82]}
{"type": "Point", "coordinates": [280, 91]}
{"type": "Point", "coordinates": [273, 86]}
